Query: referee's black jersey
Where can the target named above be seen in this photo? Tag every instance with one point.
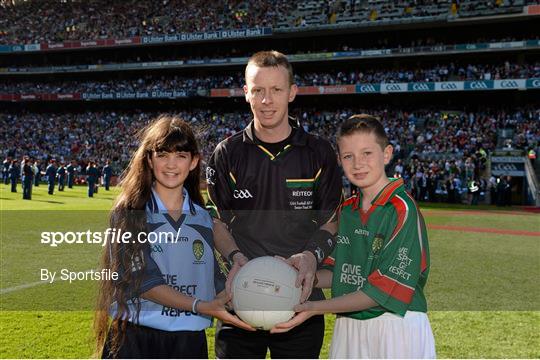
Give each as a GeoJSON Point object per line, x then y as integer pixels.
{"type": "Point", "coordinates": [273, 203]}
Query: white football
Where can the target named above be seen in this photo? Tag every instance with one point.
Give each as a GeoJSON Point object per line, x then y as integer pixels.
{"type": "Point", "coordinates": [264, 292]}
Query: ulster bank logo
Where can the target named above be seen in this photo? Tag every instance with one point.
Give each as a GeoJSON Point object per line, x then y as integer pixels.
{"type": "Point", "coordinates": [198, 249]}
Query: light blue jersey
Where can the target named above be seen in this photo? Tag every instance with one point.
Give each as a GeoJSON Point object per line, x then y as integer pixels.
{"type": "Point", "coordinates": [185, 261]}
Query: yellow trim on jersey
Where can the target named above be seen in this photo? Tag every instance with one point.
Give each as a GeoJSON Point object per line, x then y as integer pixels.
{"type": "Point", "coordinates": [318, 174]}
{"type": "Point", "coordinates": [306, 180]}
{"type": "Point", "coordinates": [272, 157]}
{"type": "Point", "coordinates": [232, 177]}
{"type": "Point", "coordinates": [299, 180]}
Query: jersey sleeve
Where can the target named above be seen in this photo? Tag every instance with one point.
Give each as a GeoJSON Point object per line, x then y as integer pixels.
{"type": "Point", "coordinates": [329, 261]}
{"type": "Point", "coordinates": [152, 275]}
{"type": "Point", "coordinates": [328, 185]}
{"type": "Point", "coordinates": [137, 264]}
{"type": "Point", "coordinates": [220, 192]}
{"type": "Point", "coordinates": [402, 260]}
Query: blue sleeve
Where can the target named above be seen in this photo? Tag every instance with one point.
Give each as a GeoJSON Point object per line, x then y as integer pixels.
{"type": "Point", "coordinates": [151, 274]}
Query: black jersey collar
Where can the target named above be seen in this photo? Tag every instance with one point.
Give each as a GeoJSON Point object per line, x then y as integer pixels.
{"type": "Point", "coordinates": [299, 137]}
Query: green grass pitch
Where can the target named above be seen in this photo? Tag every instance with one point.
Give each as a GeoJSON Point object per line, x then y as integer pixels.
{"type": "Point", "coordinates": [483, 291]}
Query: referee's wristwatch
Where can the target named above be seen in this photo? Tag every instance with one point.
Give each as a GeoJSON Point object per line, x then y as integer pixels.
{"type": "Point", "coordinates": [230, 258]}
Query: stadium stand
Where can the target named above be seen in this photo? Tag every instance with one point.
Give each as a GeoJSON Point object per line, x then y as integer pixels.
{"type": "Point", "coordinates": [442, 138]}
{"type": "Point", "coordinates": [80, 20]}
{"type": "Point", "coordinates": [27, 22]}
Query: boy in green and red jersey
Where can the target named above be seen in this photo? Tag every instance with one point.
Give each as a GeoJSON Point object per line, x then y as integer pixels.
{"type": "Point", "coordinates": [380, 264]}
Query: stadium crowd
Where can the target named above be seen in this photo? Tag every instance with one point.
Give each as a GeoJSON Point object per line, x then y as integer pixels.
{"type": "Point", "coordinates": [449, 72]}
{"type": "Point", "coordinates": [435, 151]}
{"type": "Point", "coordinates": [57, 21]}
{"type": "Point", "coordinates": [36, 21]}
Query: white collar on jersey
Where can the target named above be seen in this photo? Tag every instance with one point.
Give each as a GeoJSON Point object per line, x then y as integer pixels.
{"type": "Point", "coordinates": [161, 207]}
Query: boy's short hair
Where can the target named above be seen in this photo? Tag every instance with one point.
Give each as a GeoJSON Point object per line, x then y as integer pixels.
{"type": "Point", "coordinates": [271, 59]}
{"type": "Point", "coordinates": [364, 123]}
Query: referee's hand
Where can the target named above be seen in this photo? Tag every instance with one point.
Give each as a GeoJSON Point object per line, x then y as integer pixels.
{"type": "Point", "coordinates": [306, 264]}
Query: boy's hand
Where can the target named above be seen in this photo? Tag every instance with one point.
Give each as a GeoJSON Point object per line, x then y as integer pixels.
{"type": "Point", "coordinates": [303, 312]}
{"type": "Point", "coordinates": [306, 264]}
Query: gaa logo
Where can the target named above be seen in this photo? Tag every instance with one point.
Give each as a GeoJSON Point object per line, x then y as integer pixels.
{"type": "Point", "coordinates": [509, 84]}
{"type": "Point", "coordinates": [449, 86]}
{"type": "Point", "coordinates": [198, 249]}
{"type": "Point", "coordinates": [420, 87]}
{"type": "Point", "coordinates": [341, 239]}
{"type": "Point", "coordinates": [478, 85]}
{"type": "Point", "coordinates": [393, 87]}
{"type": "Point", "coordinates": [367, 88]}
{"type": "Point", "coordinates": [505, 167]}
{"type": "Point", "coordinates": [242, 194]}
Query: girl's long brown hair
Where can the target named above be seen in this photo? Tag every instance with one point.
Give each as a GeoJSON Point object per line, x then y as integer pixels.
{"type": "Point", "coordinates": [165, 133]}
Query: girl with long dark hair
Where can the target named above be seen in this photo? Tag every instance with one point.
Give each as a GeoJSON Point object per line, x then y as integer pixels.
{"type": "Point", "coordinates": [164, 298]}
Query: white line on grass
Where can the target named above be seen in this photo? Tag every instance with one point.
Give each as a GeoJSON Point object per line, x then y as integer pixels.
{"type": "Point", "coordinates": [22, 287]}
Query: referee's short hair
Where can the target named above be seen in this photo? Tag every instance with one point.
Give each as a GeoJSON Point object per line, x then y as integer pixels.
{"type": "Point", "coordinates": [271, 58]}
{"type": "Point", "coordinates": [364, 123]}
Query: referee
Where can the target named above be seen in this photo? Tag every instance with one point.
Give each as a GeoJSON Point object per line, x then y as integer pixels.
{"type": "Point", "coordinates": [273, 190]}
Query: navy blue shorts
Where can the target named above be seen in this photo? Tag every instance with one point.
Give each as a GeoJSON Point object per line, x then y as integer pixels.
{"type": "Point", "coordinates": [304, 341]}
{"type": "Point", "coordinates": [144, 342]}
